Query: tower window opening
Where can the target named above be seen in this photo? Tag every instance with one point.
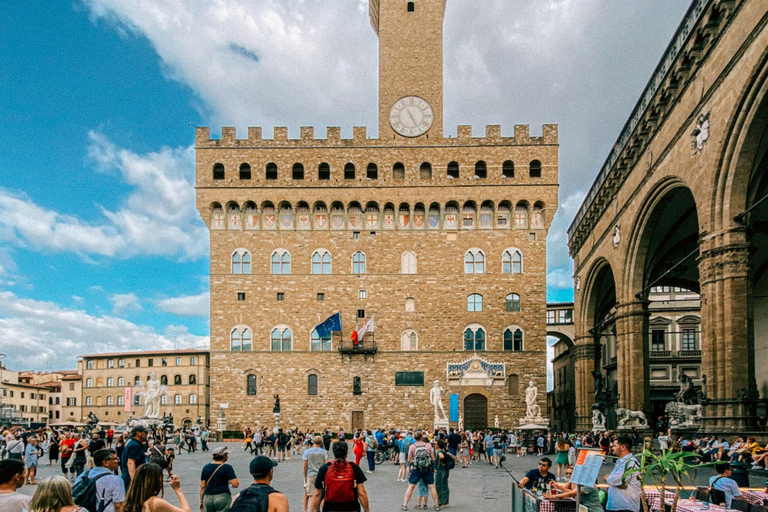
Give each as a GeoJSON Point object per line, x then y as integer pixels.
{"type": "Point", "coordinates": [410, 6]}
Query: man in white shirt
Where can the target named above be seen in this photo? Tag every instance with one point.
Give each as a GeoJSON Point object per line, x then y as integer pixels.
{"type": "Point", "coordinates": [623, 493]}
{"type": "Point", "coordinates": [314, 459]}
{"type": "Point", "coordinates": [12, 477]}
{"type": "Point", "coordinates": [110, 488]}
{"type": "Point", "coordinates": [663, 441]}
{"type": "Point", "coordinates": [723, 482]}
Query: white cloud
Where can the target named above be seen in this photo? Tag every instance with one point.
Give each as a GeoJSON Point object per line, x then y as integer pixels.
{"type": "Point", "coordinates": [44, 335]}
{"type": "Point", "coordinates": [157, 218]}
{"type": "Point", "coordinates": [122, 302]}
{"type": "Point", "coordinates": [187, 305]}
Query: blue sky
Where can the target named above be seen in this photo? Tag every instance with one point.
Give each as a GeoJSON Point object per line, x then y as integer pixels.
{"type": "Point", "coordinates": [101, 247]}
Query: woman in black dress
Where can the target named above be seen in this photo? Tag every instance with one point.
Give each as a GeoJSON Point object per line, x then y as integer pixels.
{"type": "Point", "coordinates": [53, 448]}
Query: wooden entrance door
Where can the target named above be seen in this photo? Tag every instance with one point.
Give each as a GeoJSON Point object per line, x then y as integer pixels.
{"type": "Point", "coordinates": [475, 412]}
{"type": "Point", "coordinates": [358, 420]}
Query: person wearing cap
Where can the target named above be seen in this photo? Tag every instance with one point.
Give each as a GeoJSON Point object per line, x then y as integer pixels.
{"type": "Point", "coordinates": [134, 454]}
{"type": "Point", "coordinates": [215, 480]}
{"type": "Point", "coordinates": [260, 496]}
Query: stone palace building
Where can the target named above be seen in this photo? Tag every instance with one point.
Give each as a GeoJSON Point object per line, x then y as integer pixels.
{"type": "Point", "coordinates": [442, 239]}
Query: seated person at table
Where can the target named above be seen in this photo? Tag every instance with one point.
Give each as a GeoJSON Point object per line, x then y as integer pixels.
{"type": "Point", "coordinates": [760, 458]}
{"type": "Point", "coordinates": [723, 482]}
{"type": "Point", "coordinates": [589, 495]}
{"type": "Point", "coordinates": [538, 477]}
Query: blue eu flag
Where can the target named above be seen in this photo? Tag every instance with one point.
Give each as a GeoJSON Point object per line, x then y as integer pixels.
{"type": "Point", "coordinates": [331, 324]}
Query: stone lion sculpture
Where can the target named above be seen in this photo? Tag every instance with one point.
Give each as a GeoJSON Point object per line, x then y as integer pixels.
{"type": "Point", "coordinates": [631, 418]}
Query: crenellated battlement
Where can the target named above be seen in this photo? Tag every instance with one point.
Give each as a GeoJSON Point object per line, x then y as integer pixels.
{"type": "Point", "coordinates": [255, 138]}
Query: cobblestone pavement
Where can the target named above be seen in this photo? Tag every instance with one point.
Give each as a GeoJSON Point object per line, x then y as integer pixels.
{"type": "Point", "coordinates": [480, 487]}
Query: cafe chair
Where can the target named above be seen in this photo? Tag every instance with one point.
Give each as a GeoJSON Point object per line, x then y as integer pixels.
{"type": "Point", "coordinates": [716, 496]}
{"type": "Point", "coordinates": [740, 504]}
{"type": "Point", "coordinates": [759, 508]}
{"type": "Point", "coordinates": [702, 493]}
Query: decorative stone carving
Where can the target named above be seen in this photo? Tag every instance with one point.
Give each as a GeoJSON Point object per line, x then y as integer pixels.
{"type": "Point", "coordinates": [700, 133]}
{"type": "Point", "coordinates": [476, 371]}
{"type": "Point", "coordinates": [577, 284]}
{"type": "Point", "coordinates": [683, 415]}
{"type": "Point", "coordinates": [616, 236]}
{"type": "Point", "coordinates": [598, 420]}
{"type": "Point", "coordinates": [629, 419]}
{"type": "Point", "coordinates": [436, 399]}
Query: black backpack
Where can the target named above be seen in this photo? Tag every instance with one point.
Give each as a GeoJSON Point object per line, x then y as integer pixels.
{"type": "Point", "coordinates": [253, 499]}
{"type": "Point", "coordinates": [84, 493]}
{"type": "Point", "coordinates": [157, 456]}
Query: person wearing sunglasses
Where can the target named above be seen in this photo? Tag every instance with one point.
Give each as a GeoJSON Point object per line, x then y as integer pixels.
{"type": "Point", "coordinates": [538, 477]}
{"type": "Point", "coordinates": [590, 497]}
{"type": "Point", "coordinates": [110, 490]}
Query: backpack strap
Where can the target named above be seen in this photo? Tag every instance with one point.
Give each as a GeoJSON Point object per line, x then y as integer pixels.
{"type": "Point", "coordinates": [214, 472]}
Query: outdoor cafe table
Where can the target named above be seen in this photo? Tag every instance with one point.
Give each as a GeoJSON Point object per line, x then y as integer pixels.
{"type": "Point", "coordinates": [755, 497]}
{"type": "Point", "coordinates": [683, 504]}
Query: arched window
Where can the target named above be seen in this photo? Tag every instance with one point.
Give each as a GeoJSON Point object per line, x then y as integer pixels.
{"type": "Point", "coordinates": [271, 171]}
{"type": "Point", "coordinates": [250, 385]}
{"type": "Point", "coordinates": [410, 305]}
{"type": "Point", "coordinates": [177, 399]}
{"type": "Point", "coordinates": [425, 171]}
{"type": "Point", "coordinates": [193, 379]}
{"type": "Point", "coordinates": [312, 384]}
{"type": "Point", "coordinates": [508, 169]}
{"type": "Point", "coordinates": [513, 385]}
{"type": "Point", "coordinates": [408, 263]}
{"type": "Point", "coordinates": [513, 302]}
{"type": "Point", "coordinates": [137, 381]}
{"type": "Point", "coordinates": [192, 398]}
{"type": "Point", "coordinates": [110, 400]}
{"type": "Point", "coordinates": [512, 262]}
{"type": "Point", "coordinates": [398, 171]}
{"type": "Point", "coordinates": [535, 169]}
{"type": "Point", "coordinates": [474, 262]}
{"type": "Point", "coordinates": [372, 173]}
{"type": "Point", "coordinates": [163, 399]}
{"type": "Point", "coordinates": [474, 302]}
{"type": "Point", "coordinates": [297, 173]}
{"type": "Point", "coordinates": [121, 400]}
{"type": "Point", "coordinates": [245, 172]}
{"type": "Point", "coordinates": [281, 262]}
{"type": "Point", "coordinates": [410, 6]}
{"type": "Point", "coordinates": [453, 170]}
{"type": "Point", "coordinates": [110, 382]}
{"type": "Point", "coordinates": [513, 339]}
{"type": "Point", "coordinates": [137, 399]}
{"type": "Point", "coordinates": [320, 344]}
{"type": "Point", "coordinates": [474, 338]}
{"type": "Point", "coordinates": [321, 262]}
{"type": "Point", "coordinates": [481, 171]}
{"type": "Point", "coordinates": [177, 380]}
{"type": "Point", "coordinates": [89, 383]}
{"type": "Point", "coordinates": [241, 338]}
{"type": "Point", "coordinates": [164, 380]}
{"type": "Point", "coordinates": [281, 339]}
{"type": "Point", "coordinates": [241, 262]}
{"type": "Point", "coordinates": [357, 386]}
{"type": "Point", "coordinates": [409, 340]}
{"type": "Point", "coordinates": [358, 263]}
{"type": "Point", "coordinates": [88, 401]}
{"type": "Point", "coordinates": [324, 172]}
{"type": "Point", "coordinates": [349, 171]}
{"type": "Point", "coordinates": [121, 381]}
{"type": "Point", "coordinates": [218, 171]}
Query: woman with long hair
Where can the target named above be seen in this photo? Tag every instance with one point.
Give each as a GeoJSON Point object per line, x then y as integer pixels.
{"type": "Point", "coordinates": [54, 495]}
{"type": "Point", "coordinates": [464, 447]}
{"type": "Point", "coordinates": [146, 488]}
{"type": "Point", "coordinates": [562, 456]}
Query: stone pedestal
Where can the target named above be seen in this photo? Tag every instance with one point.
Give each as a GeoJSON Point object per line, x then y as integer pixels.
{"type": "Point", "coordinates": [277, 421]}
{"type": "Point", "coordinates": [441, 424]}
{"type": "Point", "coordinates": [221, 423]}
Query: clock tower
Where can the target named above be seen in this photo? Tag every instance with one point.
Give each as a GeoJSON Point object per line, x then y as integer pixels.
{"type": "Point", "coordinates": [410, 67]}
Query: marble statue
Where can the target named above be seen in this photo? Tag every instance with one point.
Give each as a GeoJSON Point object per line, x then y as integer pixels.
{"type": "Point", "coordinates": [152, 397]}
{"type": "Point", "coordinates": [628, 418]}
{"type": "Point", "coordinates": [701, 132]}
{"type": "Point", "coordinates": [532, 408]}
{"type": "Point", "coordinates": [496, 421]}
{"type": "Point", "coordinates": [616, 236]}
{"type": "Point", "coordinates": [598, 420]}
{"type": "Point", "coordinates": [435, 398]}
{"type": "Point", "coordinates": [686, 394]}
{"type": "Point", "coordinates": [683, 415]}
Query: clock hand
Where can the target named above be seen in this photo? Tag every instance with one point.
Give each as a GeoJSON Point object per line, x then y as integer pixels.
{"type": "Point", "coordinates": [406, 111]}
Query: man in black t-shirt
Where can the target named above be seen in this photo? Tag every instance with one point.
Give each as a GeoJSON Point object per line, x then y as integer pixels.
{"type": "Point", "coordinates": [538, 477]}
{"type": "Point", "coordinates": [453, 442]}
{"type": "Point", "coordinates": [215, 480]}
{"type": "Point", "coordinates": [134, 453]}
{"type": "Point", "coordinates": [96, 444]}
{"type": "Point", "coordinates": [340, 450]}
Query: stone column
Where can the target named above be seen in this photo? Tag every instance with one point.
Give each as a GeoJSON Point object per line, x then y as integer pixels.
{"type": "Point", "coordinates": [632, 370]}
{"type": "Point", "coordinates": [583, 357]}
{"type": "Point", "coordinates": [727, 351]}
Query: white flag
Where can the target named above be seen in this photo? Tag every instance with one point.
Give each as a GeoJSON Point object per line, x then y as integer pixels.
{"type": "Point", "coordinates": [367, 327]}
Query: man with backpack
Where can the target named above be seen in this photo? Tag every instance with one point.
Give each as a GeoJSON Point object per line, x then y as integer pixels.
{"type": "Point", "coordinates": [260, 496]}
{"type": "Point", "coordinates": [421, 457]}
{"type": "Point", "coordinates": [340, 484]}
{"type": "Point", "coordinates": [99, 489]}
{"type": "Point", "coordinates": [282, 443]}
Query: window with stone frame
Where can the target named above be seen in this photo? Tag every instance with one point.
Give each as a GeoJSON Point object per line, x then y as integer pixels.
{"type": "Point", "coordinates": [513, 339]}
{"type": "Point", "coordinates": [121, 400]}
{"type": "Point", "coordinates": [110, 400]}
{"type": "Point", "coordinates": [408, 263]}
{"type": "Point", "coordinates": [192, 398]}
{"type": "Point", "coordinates": [358, 263]}
{"type": "Point", "coordinates": [474, 262]}
{"type": "Point", "coordinates": [409, 340]}
{"type": "Point", "coordinates": [177, 380]}
{"type": "Point", "coordinates": [241, 338]}
{"type": "Point", "coordinates": [193, 379]}
{"type": "Point", "coordinates": [88, 401]}
{"type": "Point", "coordinates": [689, 340]}
{"type": "Point", "coordinates": [324, 172]}
{"type": "Point", "coordinates": [319, 344]}
{"type": "Point", "coordinates": [508, 169]}
{"type": "Point", "coordinates": [164, 399]}
{"type": "Point", "coordinates": [372, 172]}
{"type": "Point", "coordinates": [110, 382]}
{"type": "Point", "coordinates": [481, 170]}
{"type": "Point", "coordinates": [321, 262]}
{"type": "Point", "coordinates": [535, 169]}
{"type": "Point", "coordinates": [474, 302]}
{"type": "Point", "coordinates": [218, 171]}
{"type": "Point", "coordinates": [349, 171]}
{"type": "Point", "coordinates": [271, 171]}
{"type": "Point", "coordinates": [513, 302]}
{"type": "Point", "coordinates": [398, 171]}
{"type": "Point", "coordinates": [410, 305]}
{"type": "Point", "coordinates": [297, 173]}
{"type": "Point", "coordinates": [452, 171]}
{"type": "Point", "coordinates": [89, 365]}
{"type": "Point", "coordinates": [164, 380]}
{"type": "Point", "coordinates": [89, 383]}
{"type": "Point", "coordinates": [513, 385]}
{"type": "Point", "coordinates": [312, 384]}
{"type": "Point", "coordinates": [658, 340]}
{"type": "Point", "coordinates": [241, 261]}
{"type": "Point", "coordinates": [177, 400]}
{"type": "Point", "coordinates": [281, 339]}
{"type": "Point", "coordinates": [281, 262]}
{"type": "Point", "coordinates": [474, 338]}
{"type": "Point", "coordinates": [120, 382]}
{"type": "Point", "coordinates": [512, 261]}
{"type": "Point", "coordinates": [245, 171]}
{"type": "Point", "coordinates": [251, 385]}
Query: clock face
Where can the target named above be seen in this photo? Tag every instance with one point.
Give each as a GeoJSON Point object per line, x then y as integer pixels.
{"type": "Point", "coordinates": [411, 116]}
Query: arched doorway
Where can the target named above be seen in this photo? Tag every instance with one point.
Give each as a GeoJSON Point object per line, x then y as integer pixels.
{"type": "Point", "coordinates": [475, 412]}
{"type": "Point", "coordinates": [602, 311]}
{"type": "Point", "coordinates": [187, 424]}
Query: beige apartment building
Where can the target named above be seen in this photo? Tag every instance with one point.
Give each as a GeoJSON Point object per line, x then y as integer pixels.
{"type": "Point", "coordinates": [111, 384]}
{"type": "Point", "coordinates": [21, 402]}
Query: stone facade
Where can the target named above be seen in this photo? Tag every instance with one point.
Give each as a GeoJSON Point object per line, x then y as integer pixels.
{"type": "Point", "coordinates": [109, 380]}
{"type": "Point", "coordinates": [413, 209]}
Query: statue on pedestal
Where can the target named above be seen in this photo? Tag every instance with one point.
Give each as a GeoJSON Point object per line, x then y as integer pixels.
{"type": "Point", "coordinates": [496, 421]}
{"type": "Point", "coordinates": [276, 408]}
{"type": "Point", "coordinates": [152, 397]}
{"type": "Point", "coordinates": [435, 398]}
{"type": "Point", "coordinates": [532, 408]}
